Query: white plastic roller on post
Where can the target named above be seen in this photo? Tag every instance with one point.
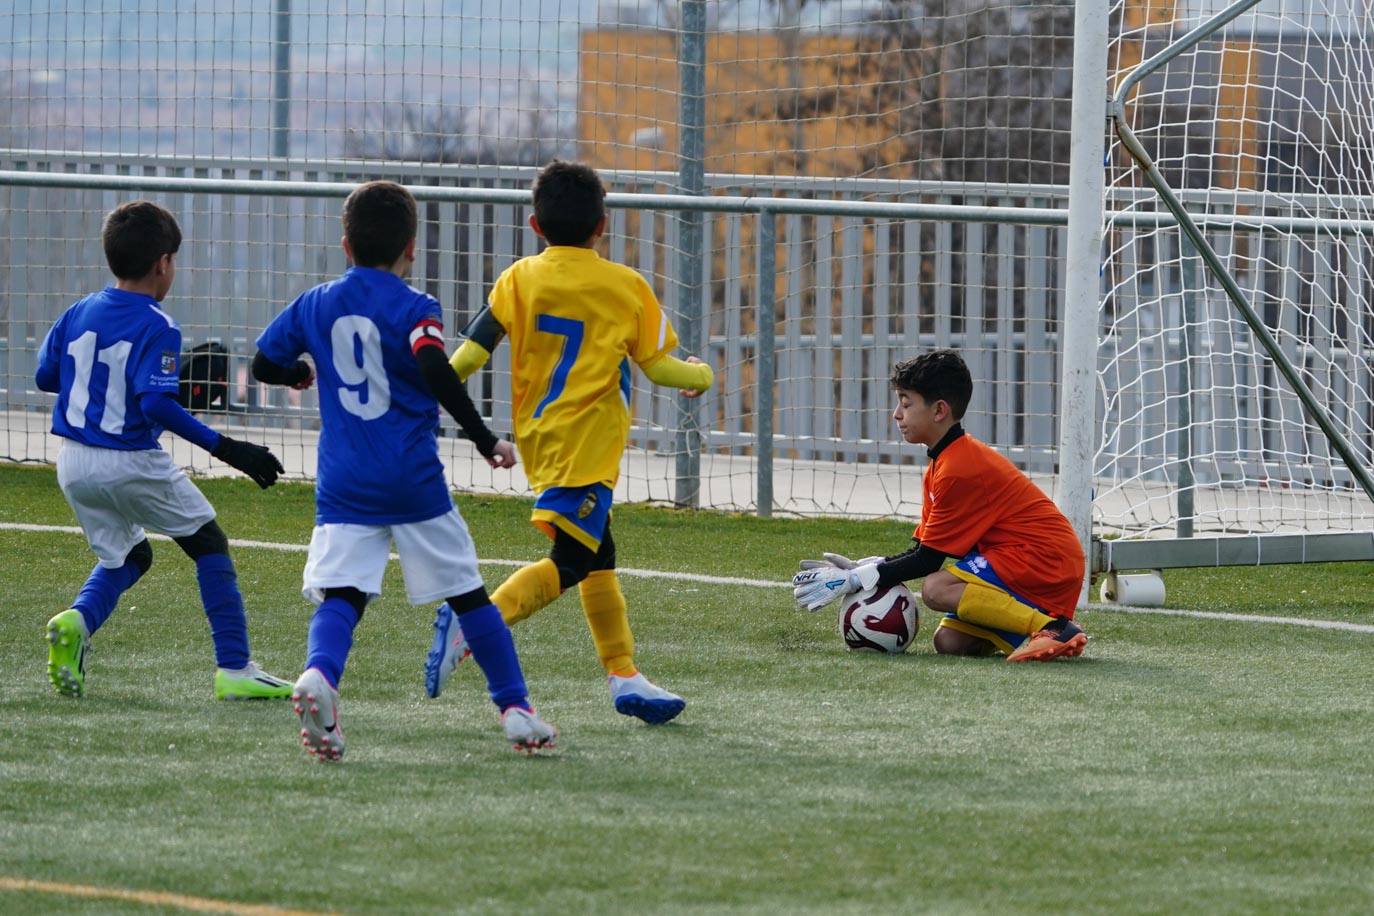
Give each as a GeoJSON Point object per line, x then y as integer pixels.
{"type": "Point", "coordinates": [1145, 589]}
{"type": "Point", "coordinates": [1082, 294]}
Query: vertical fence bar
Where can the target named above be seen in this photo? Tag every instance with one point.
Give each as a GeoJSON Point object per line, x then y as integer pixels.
{"type": "Point", "coordinates": [1188, 346]}
{"type": "Point", "coordinates": [691, 180]}
{"type": "Point", "coordinates": [281, 84]}
{"type": "Point", "coordinates": [766, 272]}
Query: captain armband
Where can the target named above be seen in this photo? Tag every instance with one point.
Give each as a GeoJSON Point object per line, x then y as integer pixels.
{"type": "Point", "coordinates": [428, 333]}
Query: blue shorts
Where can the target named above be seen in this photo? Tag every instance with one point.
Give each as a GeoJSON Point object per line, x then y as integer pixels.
{"type": "Point", "coordinates": [974, 567]}
{"type": "Point", "coordinates": [581, 512]}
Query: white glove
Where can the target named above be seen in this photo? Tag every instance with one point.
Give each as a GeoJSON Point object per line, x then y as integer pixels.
{"type": "Point", "coordinates": [817, 586]}
{"type": "Point", "coordinates": [840, 561]}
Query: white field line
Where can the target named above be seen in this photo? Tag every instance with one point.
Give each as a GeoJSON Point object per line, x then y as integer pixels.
{"type": "Point", "coordinates": [302, 548]}
{"type": "Point", "coordinates": [147, 898]}
{"type": "Point", "coordinates": [1238, 618]}
{"type": "Point", "coordinates": [769, 583]}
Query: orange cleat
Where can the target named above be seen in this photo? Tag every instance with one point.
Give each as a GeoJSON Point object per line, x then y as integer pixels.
{"type": "Point", "coordinates": [1060, 639]}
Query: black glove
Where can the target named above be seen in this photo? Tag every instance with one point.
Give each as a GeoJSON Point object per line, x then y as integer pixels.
{"type": "Point", "coordinates": [254, 460]}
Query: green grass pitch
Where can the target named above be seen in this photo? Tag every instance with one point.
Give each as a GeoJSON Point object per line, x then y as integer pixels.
{"type": "Point", "coordinates": [1180, 765]}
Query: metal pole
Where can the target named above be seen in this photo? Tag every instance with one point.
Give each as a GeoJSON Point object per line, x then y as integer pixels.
{"type": "Point", "coordinates": [765, 328]}
{"type": "Point", "coordinates": [691, 181]}
{"type": "Point", "coordinates": [1083, 286]}
{"type": "Point", "coordinates": [1188, 345]}
{"type": "Point", "coordinates": [281, 85]}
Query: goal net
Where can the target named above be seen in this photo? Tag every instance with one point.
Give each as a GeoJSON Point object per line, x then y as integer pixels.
{"type": "Point", "coordinates": [1265, 130]}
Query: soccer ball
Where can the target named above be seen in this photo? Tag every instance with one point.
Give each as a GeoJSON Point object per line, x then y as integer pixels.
{"type": "Point", "coordinates": [880, 620]}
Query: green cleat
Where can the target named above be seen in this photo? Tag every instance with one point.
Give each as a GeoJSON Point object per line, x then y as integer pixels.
{"type": "Point", "coordinates": [250, 683]}
{"type": "Point", "coordinates": [67, 640]}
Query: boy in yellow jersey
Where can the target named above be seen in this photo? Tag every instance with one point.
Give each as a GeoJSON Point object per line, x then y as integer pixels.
{"type": "Point", "coordinates": [575, 323]}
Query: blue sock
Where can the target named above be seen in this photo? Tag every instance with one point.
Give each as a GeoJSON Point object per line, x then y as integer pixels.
{"type": "Point", "coordinates": [494, 651]}
{"type": "Point", "coordinates": [219, 592]}
{"type": "Point", "coordinates": [331, 636]}
{"type": "Point", "coordinates": [100, 594]}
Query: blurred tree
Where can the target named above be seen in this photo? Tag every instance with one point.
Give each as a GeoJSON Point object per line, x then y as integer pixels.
{"type": "Point", "coordinates": [526, 127]}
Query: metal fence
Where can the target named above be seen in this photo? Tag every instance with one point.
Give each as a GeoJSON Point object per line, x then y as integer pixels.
{"type": "Point", "coordinates": [851, 287]}
{"type": "Point", "coordinates": [849, 293]}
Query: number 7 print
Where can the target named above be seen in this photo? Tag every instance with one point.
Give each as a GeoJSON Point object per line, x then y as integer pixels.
{"type": "Point", "coordinates": [570, 328]}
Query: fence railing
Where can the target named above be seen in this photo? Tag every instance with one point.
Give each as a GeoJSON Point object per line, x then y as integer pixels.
{"type": "Point", "coordinates": [806, 303]}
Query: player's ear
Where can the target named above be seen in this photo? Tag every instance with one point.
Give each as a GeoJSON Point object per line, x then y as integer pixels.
{"type": "Point", "coordinates": [347, 248]}
{"type": "Point", "coordinates": [534, 224]}
{"type": "Point", "coordinates": [410, 250]}
{"type": "Point", "coordinates": [600, 227]}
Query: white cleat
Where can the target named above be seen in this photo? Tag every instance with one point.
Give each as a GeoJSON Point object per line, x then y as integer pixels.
{"type": "Point", "coordinates": [639, 697]}
{"type": "Point", "coordinates": [448, 649]}
{"type": "Point", "coordinates": [526, 732]}
{"type": "Point", "coordinates": [317, 704]}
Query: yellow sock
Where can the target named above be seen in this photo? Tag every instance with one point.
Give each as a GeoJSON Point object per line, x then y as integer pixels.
{"type": "Point", "coordinates": [527, 590]}
{"type": "Point", "coordinates": [604, 606]}
{"type": "Point", "coordinates": [994, 609]}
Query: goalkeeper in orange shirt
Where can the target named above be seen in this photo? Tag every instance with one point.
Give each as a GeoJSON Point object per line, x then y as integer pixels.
{"type": "Point", "coordinates": [1019, 566]}
{"type": "Point", "coordinates": [575, 323]}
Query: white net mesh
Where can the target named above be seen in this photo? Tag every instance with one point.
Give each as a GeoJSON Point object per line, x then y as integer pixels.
{"type": "Point", "coordinates": [953, 89]}
{"type": "Point", "coordinates": [1269, 121]}
{"type": "Point", "coordinates": [942, 101]}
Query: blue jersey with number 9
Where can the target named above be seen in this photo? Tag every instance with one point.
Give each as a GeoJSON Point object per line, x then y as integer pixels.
{"type": "Point", "coordinates": [378, 452]}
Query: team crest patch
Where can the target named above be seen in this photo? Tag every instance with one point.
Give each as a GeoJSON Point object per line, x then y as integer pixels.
{"type": "Point", "coordinates": [588, 506]}
{"type": "Point", "coordinates": [169, 362]}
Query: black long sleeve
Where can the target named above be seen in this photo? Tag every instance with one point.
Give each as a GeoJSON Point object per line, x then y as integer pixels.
{"type": "Point", "coordinates": [268, 372]}
{"type": "Point", "coordinates": [916, 563]}
{"type": "Point", "coordinates": [444, 384]}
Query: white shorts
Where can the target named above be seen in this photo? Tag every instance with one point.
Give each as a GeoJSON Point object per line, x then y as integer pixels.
{"type": "Point", "coordinates": [438, 558]}
{"type": "Point", "coordinates": [116, 494]}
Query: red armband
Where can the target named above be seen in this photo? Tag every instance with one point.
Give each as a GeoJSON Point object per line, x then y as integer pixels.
{"type": "Point", "coordinates": [428, 333]}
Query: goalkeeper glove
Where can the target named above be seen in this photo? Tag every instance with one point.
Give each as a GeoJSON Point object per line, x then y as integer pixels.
{"type": "Point", "coordinates": [818, 585]}
{"type": "Point", "coordinates": [839, 560]}
{"type": "Point", "coordinates": [254, 460]}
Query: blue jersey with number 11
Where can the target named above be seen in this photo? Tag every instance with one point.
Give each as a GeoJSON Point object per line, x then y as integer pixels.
{"type": "Point", "coordinates": [378, 452]}
{"type": "Point", "coordinates": [103, 354]}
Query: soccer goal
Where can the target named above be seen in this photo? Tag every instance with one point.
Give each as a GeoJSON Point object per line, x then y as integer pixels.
{"type": "Point", "coordinates": [1237, 324]}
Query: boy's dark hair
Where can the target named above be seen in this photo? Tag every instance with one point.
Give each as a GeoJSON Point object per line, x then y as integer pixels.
{"type": "Point", "coordinates": [939, 375]}
{"type": "Point", "coordinates": [379, 221]}
{"type": "Point", "coordinates": [569, 200]}
{"type": "Point", "coordinates": [135, 235]}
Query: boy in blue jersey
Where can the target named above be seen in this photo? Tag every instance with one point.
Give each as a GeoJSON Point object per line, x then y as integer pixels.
{"type": "Point", "coordinates": [112, 361]}
{"type": "Point", "coordinates": [378, 348]}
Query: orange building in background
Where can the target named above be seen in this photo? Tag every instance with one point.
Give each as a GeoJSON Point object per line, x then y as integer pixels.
{"type": "Point", "coordinates": [835, 108]}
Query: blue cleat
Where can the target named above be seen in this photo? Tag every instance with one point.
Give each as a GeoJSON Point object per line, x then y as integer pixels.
{"type": "Point", "coordinates": [448, 649]}
{"type": "Point", "coordinates": [637, 696]}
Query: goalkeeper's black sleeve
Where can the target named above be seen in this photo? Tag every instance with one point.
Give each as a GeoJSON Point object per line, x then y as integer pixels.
{"type": "Point", "coordinates": [264, 370]}
{"type": "Point", "coordinates": [916, 563]}
{"type": "Point", "coordinates": [444, 384]}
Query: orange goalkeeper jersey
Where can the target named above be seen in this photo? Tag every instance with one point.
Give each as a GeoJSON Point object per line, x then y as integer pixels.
{"type": "Point", "coordinates": [975, 499]}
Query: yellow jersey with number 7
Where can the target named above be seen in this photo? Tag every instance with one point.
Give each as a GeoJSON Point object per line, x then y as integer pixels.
{"type": "Point", "coordinates": [575, 323]}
